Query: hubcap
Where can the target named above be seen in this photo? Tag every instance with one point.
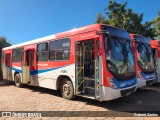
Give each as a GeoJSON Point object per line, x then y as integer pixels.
{"type": "Point", "coordinates": [66, 89]}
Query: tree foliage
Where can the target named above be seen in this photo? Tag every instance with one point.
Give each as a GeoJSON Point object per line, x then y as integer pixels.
{"type": "Point", "coordinates": [156, 24]}
{"type": "Point", "coordinates": [3, 43]}
{"type": "Point", "coordinates": [101, 19]}
{"type": "Point", "coordinates": [120, 16]}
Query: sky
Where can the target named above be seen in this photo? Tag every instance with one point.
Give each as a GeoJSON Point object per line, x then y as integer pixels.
{"type": "Point", "coordinates": [24, 20]}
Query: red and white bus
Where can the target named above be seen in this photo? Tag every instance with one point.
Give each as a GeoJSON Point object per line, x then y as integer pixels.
{"type": "Point", "coordinates": [155, 45]}
{"type": "Point", "coordinates": [143, 60]}
{"type": "Point", "coordinates": [95, 61]}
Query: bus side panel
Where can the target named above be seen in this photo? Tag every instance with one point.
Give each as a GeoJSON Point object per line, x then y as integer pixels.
{"type": "Point", "coordinates": [46, 73]}
{"type": "Point", "coordinates": [47, 78]}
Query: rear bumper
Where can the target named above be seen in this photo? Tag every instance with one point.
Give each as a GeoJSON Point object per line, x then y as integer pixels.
{"type": "Point", "coordinates": [110, 93]}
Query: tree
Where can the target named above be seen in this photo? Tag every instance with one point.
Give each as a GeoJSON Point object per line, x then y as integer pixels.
{"type": "Point", "coordinates": [122, 17]}
{"type": "Point", "coordinates": [156, 24]}
{"type": "Point", "coordinates": [101, 19]}
{"type": "Point", "coordinates": [148, 30]}
{"type": "Point", "coordinates": [3, 43]}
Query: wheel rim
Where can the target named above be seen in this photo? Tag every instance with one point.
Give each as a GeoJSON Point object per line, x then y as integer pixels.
{"type": "Point", "coordinates": [17, 80]}
{"type": "Point", "coordinates": [66, 89]}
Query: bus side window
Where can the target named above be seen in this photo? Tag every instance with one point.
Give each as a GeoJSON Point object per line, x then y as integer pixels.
{"type": "Point", "coordinates": [59, 49]}
{"type": "Point", "coordinates": [42, 52]}
{"type": "Point", "coordinates": [16, 55]}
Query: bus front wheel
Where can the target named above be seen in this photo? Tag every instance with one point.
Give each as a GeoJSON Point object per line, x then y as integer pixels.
{"type": "Point", "coordinates": [18, 80]}
{"type": "Point", "coordinates": [67, 89]}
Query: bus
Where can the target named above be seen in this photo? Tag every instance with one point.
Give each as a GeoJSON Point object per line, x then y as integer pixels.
{"type": "Point", "coordinates": [143, 60]}
{"type": "Point", "coordinates": [94, 61]}
{"type": "Point", "coordinates": [155, 45]}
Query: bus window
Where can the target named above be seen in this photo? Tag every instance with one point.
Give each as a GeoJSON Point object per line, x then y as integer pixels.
{"type": "Point", "coordinates": [31, 58]}
{"type": "Point", "coordinates": [42, 52]}
{"type": "Point", "coordinates": [59, 49]}
{"type": "Point", "coordinates": [16, 55]}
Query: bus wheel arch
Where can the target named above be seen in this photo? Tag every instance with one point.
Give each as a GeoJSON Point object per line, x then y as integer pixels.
{"type": "Point", "coordinates": [17, 79]}
{"type": "Point", "coordinates": [65, 85]}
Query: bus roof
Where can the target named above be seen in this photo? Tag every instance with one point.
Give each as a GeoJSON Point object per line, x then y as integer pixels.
{"type": "Point", "coordinates": [54, 36]}
{"type": "Point", "coordinates": [141, 38]}
{"type": "Point", "coordinates": [59, 35]}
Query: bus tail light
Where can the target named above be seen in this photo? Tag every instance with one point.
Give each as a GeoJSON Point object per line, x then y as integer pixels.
{"type": "Point", "coordinates": [112, 84]}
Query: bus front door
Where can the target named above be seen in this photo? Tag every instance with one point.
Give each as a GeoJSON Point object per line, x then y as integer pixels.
{"type": "Point", "coordinates": [87, 71]}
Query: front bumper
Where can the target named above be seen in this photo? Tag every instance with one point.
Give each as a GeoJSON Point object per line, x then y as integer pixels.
{"type": "Point", "coordinates": [109, 93]}
{"type": "Point", "coordinates": [143, 82]}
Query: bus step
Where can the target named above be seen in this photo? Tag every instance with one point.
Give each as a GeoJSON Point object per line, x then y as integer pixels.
{"type": "Point", "coordinates": [89, 91]}
{"type": "Point", "coordinates": [86, 96]}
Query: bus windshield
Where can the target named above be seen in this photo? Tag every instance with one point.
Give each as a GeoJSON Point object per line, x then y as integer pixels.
{"type": "Point", "coordinates": [144, 53]}
{"type": "Point", "coordinates": [144, 56]}
{"type": "Point", "coordinates": [119, 54]}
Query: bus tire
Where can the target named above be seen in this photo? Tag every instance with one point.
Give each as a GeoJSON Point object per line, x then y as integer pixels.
{"type": "Point", "coordinates": [18, 80]}
{"type": "Point", "coordinates": [67, 89]}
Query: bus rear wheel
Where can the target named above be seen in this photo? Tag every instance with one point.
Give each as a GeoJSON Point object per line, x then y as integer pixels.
{"type": "Point", "coordinates": [18, 80]}
{"type": "Point", "coordinates": [67, 89]}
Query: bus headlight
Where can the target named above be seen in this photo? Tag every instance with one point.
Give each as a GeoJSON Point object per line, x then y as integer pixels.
{"type": "Point", "coordinates": [112, 84]}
